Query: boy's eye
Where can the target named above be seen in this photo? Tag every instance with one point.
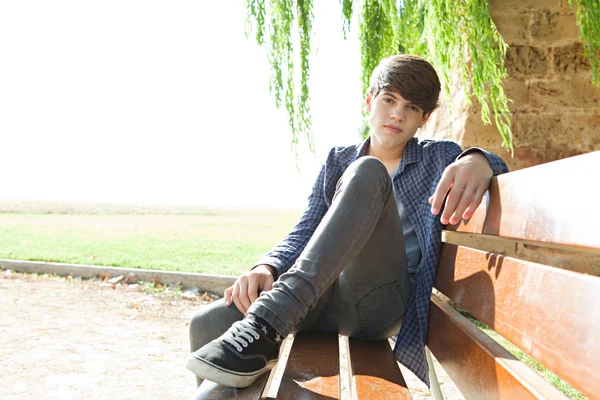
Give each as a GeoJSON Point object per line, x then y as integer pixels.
{"type": "Point", "coordinates": [388, 100]}
{"type": "Point", "coordinates": [413, 108]}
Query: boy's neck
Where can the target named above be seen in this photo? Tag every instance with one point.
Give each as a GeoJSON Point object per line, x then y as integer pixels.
{"type": "Point", "coordinates": [390, 157]}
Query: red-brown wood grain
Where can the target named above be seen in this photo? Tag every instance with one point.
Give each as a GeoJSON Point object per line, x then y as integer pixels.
{"type": "Point", "coordinates": [550, 313]}
{"type": "Point", "coordinates": [375, 372]}
{"type": "Point", "coordinates": [312, 368]}
{"type": "Point", "coordinates": [554, 202]}
{"type": "Point", "coordinates": [480, 367]}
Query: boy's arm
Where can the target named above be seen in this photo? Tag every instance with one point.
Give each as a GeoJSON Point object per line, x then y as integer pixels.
{"type": "Point", "coordinates": [463, 184]}
{"type": "Point", "coordinates": [260, 278]}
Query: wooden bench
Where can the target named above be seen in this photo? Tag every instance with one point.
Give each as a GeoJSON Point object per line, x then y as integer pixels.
{"type": "Point", "coordinates": [527, 264]}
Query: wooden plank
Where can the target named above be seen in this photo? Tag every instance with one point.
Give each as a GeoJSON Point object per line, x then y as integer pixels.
{"type": "Point", "coordinates": [265, 387]}
{"type": "Point", "coordinates": [312, 368]}
{"type": "Point", "coordinates": [586, 261]}
{"type": "Point", "coordinates": [276, 375]}
{"type": "Point", "coordinates": [550, 313]}
{"type": "Point", "coordinates": [375, 373]}
{"type": "Point", "coordinates": [480, 367]}
{"type": "Point", "coordinates": [552, 202]}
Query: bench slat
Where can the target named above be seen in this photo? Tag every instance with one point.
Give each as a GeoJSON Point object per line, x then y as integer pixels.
{"type": "Point", "coordinates": [312, 368]}
{"type": "Point", "coordinates": [480, 367]}
{"type": "Point", "coordinates": [375, 373]}
{"type": "Point", "coordinates": [528, 303]}
{"type": "Point", "coordinates": [213, 391]}
{"type": "Point", "coordinates": [540, 204]}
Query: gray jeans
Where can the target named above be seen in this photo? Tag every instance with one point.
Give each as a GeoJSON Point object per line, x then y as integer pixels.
{"type": "Point", "coordinates": [351, 277]}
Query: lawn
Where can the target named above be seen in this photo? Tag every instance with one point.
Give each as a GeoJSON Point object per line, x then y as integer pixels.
{"type": "Point", "coordinates": [224, 242]}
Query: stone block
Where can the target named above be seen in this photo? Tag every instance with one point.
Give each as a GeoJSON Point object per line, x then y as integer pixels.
{"type": "Point", "coordinates": [516, 5]}
{"type": "Point", "coordinates": [574, 92]}
{"type": "Point", "coordinates": [554, 28]}
{"type": "Point", "coordinates": [575, 130]}
{"type": "Point", "coordinates": [527, 62]}
{"type": "Point", "coordinates": [517, 90]}
{"type": "Point", "coordinates": [477, 133]}
{"type": "Point", "coordinates": [570, 59]}
{"type": "Point", "coordinates": [514, 27]}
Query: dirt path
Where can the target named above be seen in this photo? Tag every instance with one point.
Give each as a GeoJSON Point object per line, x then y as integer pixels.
{"type": "Point", "coordinates": [70, 339]}
{"type": "Point", "coordinates": [77, 340]}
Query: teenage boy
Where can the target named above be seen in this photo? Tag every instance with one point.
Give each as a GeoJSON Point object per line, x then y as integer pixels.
{"type": "Point", "coordinates": [362, 259]}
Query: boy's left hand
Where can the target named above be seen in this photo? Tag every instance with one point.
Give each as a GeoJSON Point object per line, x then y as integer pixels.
{"type": "Point", "coordinates": [465, 182]}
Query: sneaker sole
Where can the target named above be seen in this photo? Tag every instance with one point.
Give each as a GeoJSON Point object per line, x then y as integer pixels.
{"type": "Point", "coordinates": [223, 376]}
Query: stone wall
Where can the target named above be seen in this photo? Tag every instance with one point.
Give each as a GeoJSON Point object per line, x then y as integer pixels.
{"type": "Point", "coordinates": [556, 109]}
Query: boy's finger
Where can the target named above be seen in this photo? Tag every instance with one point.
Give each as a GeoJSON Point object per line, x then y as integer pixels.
{"type": "Point", "coordinates": [227, 295]}
{"type": "Point", "coordinates": [252, 290]}
{"type": "Point", "coordinates": [464, 202]}
{"type": "Point", "coordinates": [243, 294]}
{"type": "Point", "coordinates": [474, 203]}
{"type": "Point", "coordinates": [440, 193]}
{"type": "Point", "coordinates": [452, 201]}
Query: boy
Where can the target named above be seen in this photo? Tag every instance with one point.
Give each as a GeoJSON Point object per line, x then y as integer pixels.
{"type": "Point", "coordinates": [362, 259]}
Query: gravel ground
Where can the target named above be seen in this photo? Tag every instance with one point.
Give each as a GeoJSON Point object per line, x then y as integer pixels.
{"type": "Point", "coordinates": [74, 339]}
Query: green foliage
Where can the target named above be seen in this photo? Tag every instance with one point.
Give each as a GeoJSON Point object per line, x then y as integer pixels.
{"type": "Point", "coordinates": [588, 19]}
{"type": "Point", "coordinates": [378, 34]}
{"type": "Point", "coordinates": [455, 36]}
{"type": "Point", "coordinates": [276, 33]}
{"type": "Point", "coordinates": [461, 36]}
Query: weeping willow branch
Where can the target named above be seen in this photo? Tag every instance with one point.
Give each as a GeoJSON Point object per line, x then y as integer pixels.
{"type": "Point", "coordinates": [467, 42]}
{"type": "Point", "coordinates": [287, 20]}
{"type": "Point", "coordinates": [588, 19]}
{"type": "Point", "coordinates": [456, 36]}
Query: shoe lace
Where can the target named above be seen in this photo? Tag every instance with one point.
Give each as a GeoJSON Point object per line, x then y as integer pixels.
{"type": "Point", "coordinates": [241, 334]}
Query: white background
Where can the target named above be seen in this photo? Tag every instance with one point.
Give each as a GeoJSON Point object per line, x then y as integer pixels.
{"type": "Point", "coordinates": [160, 102]}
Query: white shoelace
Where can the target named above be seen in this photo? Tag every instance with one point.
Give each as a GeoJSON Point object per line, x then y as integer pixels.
{"type": "Point", "coordinates": [241, 334]}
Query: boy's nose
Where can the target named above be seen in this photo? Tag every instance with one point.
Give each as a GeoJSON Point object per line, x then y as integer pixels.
{"type": "Point", "coordinates": [398, 115]}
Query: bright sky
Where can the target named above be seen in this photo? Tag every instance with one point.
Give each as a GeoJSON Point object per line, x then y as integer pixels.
{"type": "Point", "coordinates": [160, 102]}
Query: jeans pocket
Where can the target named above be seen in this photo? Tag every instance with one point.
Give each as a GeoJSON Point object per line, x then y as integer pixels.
{"type": "Point", "coordinates": [379, 311]}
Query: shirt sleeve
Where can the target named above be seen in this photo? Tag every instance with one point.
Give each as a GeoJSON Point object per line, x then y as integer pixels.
{"type": "Point", "coordinates": [498, 165]}
{"type": "Point", "coordinates": [284, 254]}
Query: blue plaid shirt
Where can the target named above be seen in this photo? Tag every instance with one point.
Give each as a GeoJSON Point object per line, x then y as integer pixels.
{"type": "Point", "coordinates": [416, 178]}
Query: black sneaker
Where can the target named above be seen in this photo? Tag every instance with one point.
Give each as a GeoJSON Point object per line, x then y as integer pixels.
{"type": "Point", "coordinates": [238, 357]}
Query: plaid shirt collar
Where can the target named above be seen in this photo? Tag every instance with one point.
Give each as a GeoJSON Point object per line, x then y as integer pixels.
{"type": "Point", "coordinates": [413, 153]}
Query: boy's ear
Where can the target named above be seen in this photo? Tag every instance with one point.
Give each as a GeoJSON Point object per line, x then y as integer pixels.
{"type": "Point", "coordinates": [425, 119]}
{"type": "Point", "coordinates": [368, 100]}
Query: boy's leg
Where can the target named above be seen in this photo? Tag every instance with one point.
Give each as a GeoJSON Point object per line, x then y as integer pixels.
{"type": "Point", "coordinates": [369, 299]}
{"type": "Point", "coordinates": [210, 322]}
{"type": "Point", "coordinates": [356, 255]}
{"type": "Point", "coordinates": [362, 204]}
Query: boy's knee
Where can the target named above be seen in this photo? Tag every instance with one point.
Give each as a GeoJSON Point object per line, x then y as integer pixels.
{"type": "Point", "coordinates": [370, 167]}
{"type": "Point", "coordinates": [366, 173]}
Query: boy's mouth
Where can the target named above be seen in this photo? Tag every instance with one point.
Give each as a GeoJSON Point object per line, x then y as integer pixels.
{"type": "Point", "coordinates": [393, 128]}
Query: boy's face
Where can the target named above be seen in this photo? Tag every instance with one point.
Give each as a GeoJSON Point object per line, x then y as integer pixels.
{"type": "Point", "coordinates": [394, 120]}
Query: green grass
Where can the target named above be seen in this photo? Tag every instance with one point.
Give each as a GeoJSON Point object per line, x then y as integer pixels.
{"type": "Point", "coordinates": [222, 242]}
{"type": "Point", "coordinates": [227, 243]}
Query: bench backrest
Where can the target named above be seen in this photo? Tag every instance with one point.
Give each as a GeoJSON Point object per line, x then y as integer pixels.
{"type": "Point", "coordinates": [527, 264]}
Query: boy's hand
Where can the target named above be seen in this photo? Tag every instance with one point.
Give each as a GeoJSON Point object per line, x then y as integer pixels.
{"type": "Point", "coordinates": [465, 182]}
{"type": "Point", "coordinates": [247, 287]}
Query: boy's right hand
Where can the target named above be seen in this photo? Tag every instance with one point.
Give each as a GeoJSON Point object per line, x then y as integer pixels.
{"type": "Point", "coordinates": [247, 287]}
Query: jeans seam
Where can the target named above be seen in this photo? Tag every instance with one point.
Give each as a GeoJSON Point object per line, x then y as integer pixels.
{"type": "Point", "coordinates": [330, 307]}
{"type": "Point", "coordinates": [356, 303]}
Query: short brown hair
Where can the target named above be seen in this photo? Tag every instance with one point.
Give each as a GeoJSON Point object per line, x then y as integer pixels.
{"type": "Point", "coordinates": [411, 76]}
